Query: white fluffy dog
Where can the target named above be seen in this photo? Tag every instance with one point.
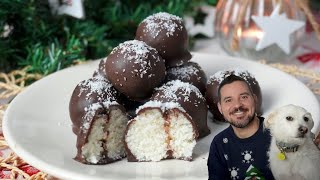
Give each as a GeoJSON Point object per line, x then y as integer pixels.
{"type": "Point", "coordinates": [293, 154]}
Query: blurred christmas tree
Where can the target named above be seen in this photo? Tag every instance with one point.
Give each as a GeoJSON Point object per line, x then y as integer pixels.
{"type": "Point", "coordinates": [30, 35]}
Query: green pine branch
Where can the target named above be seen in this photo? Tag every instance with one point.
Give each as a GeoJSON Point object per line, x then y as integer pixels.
{"type": "Point", "coordinates": [47, 43]}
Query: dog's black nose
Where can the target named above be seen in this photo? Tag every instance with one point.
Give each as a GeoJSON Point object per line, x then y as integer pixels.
{"type": "Point", "coordinates": [303, 130]}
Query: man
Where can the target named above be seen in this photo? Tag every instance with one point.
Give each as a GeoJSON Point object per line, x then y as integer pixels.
{"type": "Point", "coordinates": [239, 151]}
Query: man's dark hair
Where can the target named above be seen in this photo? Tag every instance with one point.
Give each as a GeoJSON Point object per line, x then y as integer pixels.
{"type": "Point", "coordinates": [230, 79]}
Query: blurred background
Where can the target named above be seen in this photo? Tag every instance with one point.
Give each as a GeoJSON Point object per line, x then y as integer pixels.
{"type": "Point", "coordinates": [45, 36]}
{"type": "Point", "coordinates": [37, 35]}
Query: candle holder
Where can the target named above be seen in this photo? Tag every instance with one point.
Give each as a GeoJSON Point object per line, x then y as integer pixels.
{"type": "Point", "coordinates": [241, 35]}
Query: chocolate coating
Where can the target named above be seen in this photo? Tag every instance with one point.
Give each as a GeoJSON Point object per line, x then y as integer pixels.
{"type": "Point", "coordinates": [130, 105]}
{"type": "Point", "coordinates": [135, 69]}
{"type": "Point", "coordinates": [213, 86]}
{"type": "Point", "coordinates": [96, 111]}
{"type": "Point", "coordinates": [101, 69]}
{"type": "Point", "coordinates": [190, 99]}
{"type": "Point", "coordinates": [86, 93]}
{"type": "Point", "coordinates": [166, 33]}
{"type": "Point", "coordinates": [130, 156]}
{"type": "Point", "coordinates": [190, 72]}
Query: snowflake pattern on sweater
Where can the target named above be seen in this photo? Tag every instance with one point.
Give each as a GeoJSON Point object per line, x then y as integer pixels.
{"type": "Point", "coordinates": [232, 158]}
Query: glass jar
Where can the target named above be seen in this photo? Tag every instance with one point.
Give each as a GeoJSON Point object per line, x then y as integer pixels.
{"type": "Point", "coordinates": [239, 35]}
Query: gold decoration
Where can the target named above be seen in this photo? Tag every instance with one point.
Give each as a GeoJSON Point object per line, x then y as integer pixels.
{"type": "Point", "coordinates": [3, 143]}
{"type": "Point", "coordinates": [235, 37]}
{"type": "Point", "coordinates": [14, 82]}
{"type": "Point", "coordinates": [312, 77]}
{"type": "Point", "coordinates": [2, 110]}
{"type": "Point", "coordinates": [12, 162]}
{"type": "Point", "coordinates": [304, 5]}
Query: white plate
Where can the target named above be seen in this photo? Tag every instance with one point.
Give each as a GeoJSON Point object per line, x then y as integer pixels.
{"type": "Point", "coordinates": [37, 125]}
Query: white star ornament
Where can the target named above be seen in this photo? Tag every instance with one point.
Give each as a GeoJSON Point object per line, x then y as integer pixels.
{"type": "Point", "coordinates": [207, 28]}
{"type": "Point", "coordinates": [277, 29]}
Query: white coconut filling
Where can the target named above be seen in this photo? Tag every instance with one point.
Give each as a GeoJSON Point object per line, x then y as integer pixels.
{"type": "Point", "coordinates": [106, 137]}
{"type": "Point", "coordinates": [116, 129]}
{"type": "Point", "coordinates": [182, 135]}
{"type": "Point", "coordinates": [146, 137]}
{"type": "Point", "coordinates": [91, 151]}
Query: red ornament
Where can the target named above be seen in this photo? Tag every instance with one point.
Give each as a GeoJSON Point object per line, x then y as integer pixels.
{"type": "Point", "coordinates": [29, 170]}
{"type": "Point", "coordinates": [5, 174]}
{"type": "Point", "coordinates": [309, 57]}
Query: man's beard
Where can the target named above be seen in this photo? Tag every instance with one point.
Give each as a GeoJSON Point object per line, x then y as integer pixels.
{"type": "Point", "coordinates": [242, 124]}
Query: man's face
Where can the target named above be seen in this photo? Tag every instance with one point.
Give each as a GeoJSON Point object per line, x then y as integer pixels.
{"type": "Point", "coordinates": [237, 104]}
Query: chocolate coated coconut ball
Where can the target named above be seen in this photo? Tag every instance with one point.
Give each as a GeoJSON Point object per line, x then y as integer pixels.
{"type": "Point", "coordinates": [101, 136]}
{"type": "Point", "coordinates": [190, 99]}
{"type": "Point", "coordinates": [86, 93]}
{"type": "Point", "coordinates": [213, 86]}
{"type": "Point", "coordinates": [130, 105]}
{"type": "Point", "coordinates": [190, 72]}
{"type": "Point", "coordinates": [160, 131]}
{"type": "Point", "coordinates": [101, 69]}
{"type": "Point", "coordinates": [135, 69]}
{"type": "Point", "coordinates": [166, 33]}
{"type": "Point", "coordinates": [98, 121]}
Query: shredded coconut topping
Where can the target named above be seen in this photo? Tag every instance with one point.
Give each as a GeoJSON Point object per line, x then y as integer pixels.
{"type": "Point", "coordinates": [138, 52]}
{"type": "Point", "coordinates": [100, 88]}
{"type": "Point", "coordinates": [162, 105]}
{"type": "Point", "coordinates": [89, 114]}
{"type": "Point", "coordinates": [162, 21]}
{"type": "Point", "coordinates": [103, 64]}
{"type": "Point", "coordinates": [184, 72]}
{"type": "Point", "coordinates": [221, 75]}
{"type": "Point", "coordinates": [97, 85]}
{"type": "Point", "coordinates": [177, 90]}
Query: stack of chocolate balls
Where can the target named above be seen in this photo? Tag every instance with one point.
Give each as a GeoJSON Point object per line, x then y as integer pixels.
{"type": "Point", "coordinates": [143, 80]}
{"type": "Point", "coordinates": [147, 100]}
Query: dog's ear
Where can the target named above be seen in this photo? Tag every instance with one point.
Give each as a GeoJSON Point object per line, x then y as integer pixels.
{"type": "Point", "coordinates": [270, 119]}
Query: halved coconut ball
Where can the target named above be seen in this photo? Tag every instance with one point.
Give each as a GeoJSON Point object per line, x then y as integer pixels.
{"type": "Point", "coordinates": [101, 137]}
{"type": "Point", "coordinates": [189, 98]}
{"type": "Point", "coordinates": [160, 131]}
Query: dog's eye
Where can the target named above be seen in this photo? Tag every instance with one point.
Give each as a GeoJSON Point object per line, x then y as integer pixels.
{"type": "Point", "coordinates": [289, 118]}
{"type": "Point", "coordinates": [306, 119]}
